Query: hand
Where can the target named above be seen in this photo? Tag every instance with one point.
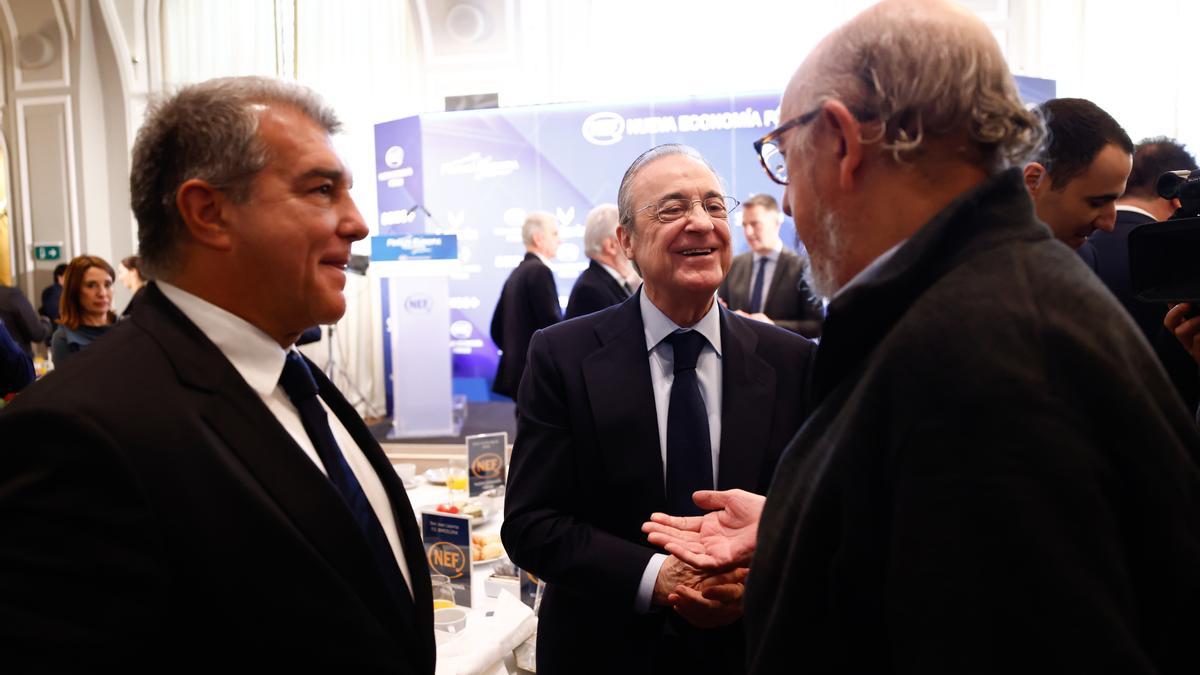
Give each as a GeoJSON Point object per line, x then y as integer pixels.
{"type": "Point", "coordinates": [717, 601]}
{"type": "Point", "coordinates": [717, 541]}
{"type": "Point", "coordinates": [673, 574]}
{"type": "Point", "coordinates": [1185, 329]}
{"type": "Point", "coordinates": [759, 316]}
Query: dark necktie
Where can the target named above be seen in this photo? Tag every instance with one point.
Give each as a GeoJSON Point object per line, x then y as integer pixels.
{"type": "Point", "coordinates": [757, 291]}
{"type": "Point", "coordinates": [297, 381]}
{"type": "Point", "coordinates": [689, 450]}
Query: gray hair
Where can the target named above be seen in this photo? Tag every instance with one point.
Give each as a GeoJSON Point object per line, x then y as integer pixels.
{"type": "Point", "coordinates": [625, 207]}
{"type": "Point", "coordinates": [538, 221]}
{"type": "Point", "coordinates": [599, 226]}
{"type": "Point", "coordinates": [929, 70]}
{"type": "Point", "coordinates": [206, 131]}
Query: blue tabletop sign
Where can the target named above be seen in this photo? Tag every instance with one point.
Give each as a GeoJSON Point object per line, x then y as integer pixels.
{"type": "Point", "coordinates": [414, 247]}
{"type": "Point", "coordinates": [448, 550]}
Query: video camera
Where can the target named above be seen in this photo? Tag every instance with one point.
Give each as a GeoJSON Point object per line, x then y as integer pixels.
{"type": "Point", "coordinates": [1164, 257]}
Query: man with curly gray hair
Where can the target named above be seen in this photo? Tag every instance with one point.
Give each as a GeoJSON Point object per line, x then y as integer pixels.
{"type": "Point", "coordinates": [996, 476]}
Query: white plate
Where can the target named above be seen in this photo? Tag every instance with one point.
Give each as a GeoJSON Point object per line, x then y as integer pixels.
{"type": "Point", "coordinates": [413, 484]}
{"type": "Point", "coordinates": [486, 561]}
{"type": "Point", "coordinates": [436, 476]}
{"type": "Point", "coordinates": [475, 522]}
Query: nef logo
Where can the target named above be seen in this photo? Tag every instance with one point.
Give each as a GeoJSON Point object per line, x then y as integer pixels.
{"type": "Point", "coordinates": [446, 558]}
{"type": "Point", "coordinates": [603, 128]}
{"type": "Point", "coordinates": [487, 466]}
{"type": "Point", "coordinates": [418, 304]}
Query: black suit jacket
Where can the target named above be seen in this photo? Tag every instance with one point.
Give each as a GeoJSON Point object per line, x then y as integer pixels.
{"type": "Point", "coordinates": [156, 516]}
{"type": "Point", "coordinates": [789, 303]}
{"type": "Point", "coordinates": [594, 290]}
{"type": "Point", "coordinates": [587, 471]}
{"type": "Point", "coordinates": [20, 320]}
{"type": "Point", "coordinates": [528, 301]}
{"type": "Point", "coordinates": [1107, 253]}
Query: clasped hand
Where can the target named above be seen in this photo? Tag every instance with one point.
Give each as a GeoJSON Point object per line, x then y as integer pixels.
{"type": "Point", "coordinates": [705, 599]}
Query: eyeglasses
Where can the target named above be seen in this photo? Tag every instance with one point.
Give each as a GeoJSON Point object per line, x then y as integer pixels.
{"type": "Point", "coordinates": [768, 150]}
{"type": "Point", "coordinates": [669, 210]}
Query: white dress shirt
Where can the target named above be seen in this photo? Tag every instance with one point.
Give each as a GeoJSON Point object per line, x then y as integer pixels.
{"type": "Point", "coordinates": [772, 259]}
{"type": "Point", "coordinates": [259, 360]}
{"type": "Point", "coordinates": [615, 275]}
{"type": "Point", "coordinates": [657, 326]}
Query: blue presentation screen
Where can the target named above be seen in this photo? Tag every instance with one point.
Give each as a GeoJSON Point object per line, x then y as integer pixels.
{"type": "Point", "coordinates": [476, 174]}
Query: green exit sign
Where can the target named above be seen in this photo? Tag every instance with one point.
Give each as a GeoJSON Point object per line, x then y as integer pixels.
{"type": "Point", "coordinates": [47, 251]}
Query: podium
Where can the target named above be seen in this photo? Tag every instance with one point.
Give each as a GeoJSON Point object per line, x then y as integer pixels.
{"type": "Point", "coordinates": [414, 270]}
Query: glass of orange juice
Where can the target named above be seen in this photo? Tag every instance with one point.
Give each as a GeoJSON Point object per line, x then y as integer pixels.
{"type": "Point", "coordinates": [456, 479]}
{"type": "Point", "coordinates": [443, 592]}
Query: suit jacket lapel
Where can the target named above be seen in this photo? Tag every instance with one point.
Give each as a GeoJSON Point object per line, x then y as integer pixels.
{"type": "Point", "coordinates": [747, 390]}
{"type": "Point", "coordinates": [621, 396]}
{"type": "Point", "coordinates": [238, 420]}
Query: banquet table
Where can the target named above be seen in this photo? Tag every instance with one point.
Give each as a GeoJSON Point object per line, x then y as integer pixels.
{"type": "Point", "coordinates": [495, 626]}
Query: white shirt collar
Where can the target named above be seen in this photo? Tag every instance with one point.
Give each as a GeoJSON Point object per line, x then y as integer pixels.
{"type": "Point", "coordinates": [544, 259]}
{"type": "Point", "coordinates": [1134, 209]}
{"type": "Point", "coordinates": [612, 272]}
{"type": "Point", "coordinates": [871, 270]}
{"type": "Point", "coordinates": [658, 326]}
{"type": "Point", "coordinates": [773, 256]}
{"type": "Point", "coordinates": [257, 358]}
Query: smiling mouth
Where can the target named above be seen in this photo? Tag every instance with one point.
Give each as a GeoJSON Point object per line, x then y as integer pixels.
{"type": "Point", "coordinates": [692, 252]}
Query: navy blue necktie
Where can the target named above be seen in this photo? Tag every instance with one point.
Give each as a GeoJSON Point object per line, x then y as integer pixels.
{"type": "Point", "coordinates": [757, 292]}
{"type": "Point", "coordinates": [297, 381]}
{"type": "Point", "coordinates": [689, 450]}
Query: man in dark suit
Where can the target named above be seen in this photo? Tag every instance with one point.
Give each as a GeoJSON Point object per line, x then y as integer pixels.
{"type": "Point", "coordinates": [21, 322]}
{"type": "Point", "coordinates": [767, 282]}
{"type": "Point", "coordinates": [996, 476]}
{"type": "Point", "coordinates": [191, 493]}
{"type": "Point", "coordinates": [605, 282]}
{"type": "Point", "coordinates": [1107, 253]}
{"type": "Point", "coordinates": [528, 301]}
{"type": "Point", "coordinates": [630, 410]}
{"type": "Point", "coordinates": [1081, 170]}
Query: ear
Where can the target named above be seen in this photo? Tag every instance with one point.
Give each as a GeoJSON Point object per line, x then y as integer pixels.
{"type": "Point", "coordinates": [203, 209]}
{"type": "Point", "coordinates": [848, 135]}
{"type": "Point", "coordinates": [625, 241]}
{"type": "Point", "coordinates": [1035, 178]}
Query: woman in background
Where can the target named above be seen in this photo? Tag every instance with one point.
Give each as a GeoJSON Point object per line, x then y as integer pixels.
{"type": "Point", "coordinates": [85, 312]}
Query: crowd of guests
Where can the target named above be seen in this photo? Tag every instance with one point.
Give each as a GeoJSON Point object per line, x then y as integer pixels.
{"type": "Point", "coordinates": [983, 465]}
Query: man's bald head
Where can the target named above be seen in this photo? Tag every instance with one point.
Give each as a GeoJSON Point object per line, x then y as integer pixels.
{"type": "Point", "coordinates": [920, 71]}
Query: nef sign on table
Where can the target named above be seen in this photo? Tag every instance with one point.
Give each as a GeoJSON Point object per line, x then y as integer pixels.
{"type": "Point", "coordinates": [448, 549]}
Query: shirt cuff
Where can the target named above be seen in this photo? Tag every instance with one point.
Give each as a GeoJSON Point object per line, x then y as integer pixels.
{"type": "Point", "coordinates": [645, 591]}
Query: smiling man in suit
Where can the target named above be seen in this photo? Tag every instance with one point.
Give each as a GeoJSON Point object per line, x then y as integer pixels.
{"type": "Point", "coordinates": [767, 282]}
{"type": "Point", "coordinates": [631, 409]}
{"type": "Point", "coordinates": [191, 494]}
{"type": "Point", "coordinates": [605, 281]}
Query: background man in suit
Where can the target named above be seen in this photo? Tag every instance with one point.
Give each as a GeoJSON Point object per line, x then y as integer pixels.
{"type": "Point", "coordinates": [994, 453]}
{"type": "Point", "coordinates": [627, 411]}
{"type": "Point", "coordinates": [767, 282]}
{"type": "Point", "coordinates": [21, 322]}
{"type": "Point", "coordinates": [1108, 254]}
{"type": "Point", "coordinates": [1081, 171]}
{"type": "Point", "coordinates": [191, 493]}
{"type": "Point", "coordinates": [51, 296]}
{"type": "Point", "coordinates": [605, 281]}
{"type": "Point", "coordinates": [528, 301]}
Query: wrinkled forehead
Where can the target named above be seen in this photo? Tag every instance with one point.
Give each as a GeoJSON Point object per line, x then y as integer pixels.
{"type": "Point", "coordinates": [675, 175]}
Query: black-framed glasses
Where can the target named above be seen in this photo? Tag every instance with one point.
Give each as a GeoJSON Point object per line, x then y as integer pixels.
{"type": "Point", "coordinates": [671, 209]}
{"type": "Point", "coordinates": [768, 151]}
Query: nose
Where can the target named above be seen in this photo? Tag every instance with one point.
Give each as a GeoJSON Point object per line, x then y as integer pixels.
{"type": "Point", "coordinates": [1107, 220]}
{"type": "Point", "coordinates": [787, 200]}
{"type": "Point", "coordinates": [351, 224]}
{"type": "Point", "coordinates": [702, 222]}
